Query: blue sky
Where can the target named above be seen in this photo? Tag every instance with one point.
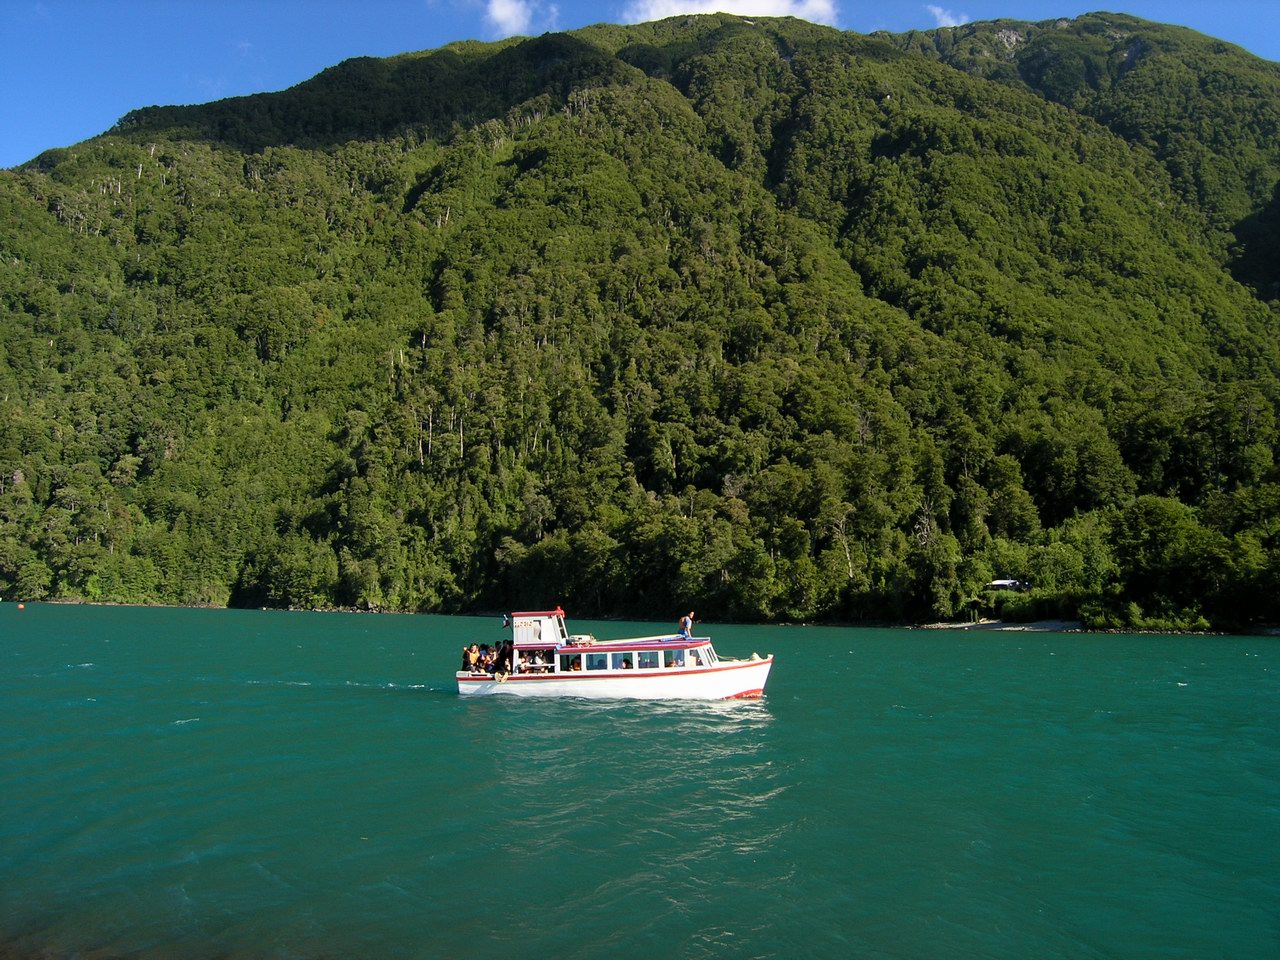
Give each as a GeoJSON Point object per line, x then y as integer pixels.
{"type": "Point", "coordinates": [70, 68]}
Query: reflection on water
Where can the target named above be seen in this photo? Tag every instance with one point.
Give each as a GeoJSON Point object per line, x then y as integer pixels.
{"type": "Point", "coordinates": [670, 777]}
{"type": "Point", "coordinates": [643, 806]}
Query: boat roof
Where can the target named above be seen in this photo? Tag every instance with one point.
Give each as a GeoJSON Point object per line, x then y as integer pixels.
{"type": "Point", "coordinates": [529, 635]}
{"type": "Point", "coordinates": [635, 643]}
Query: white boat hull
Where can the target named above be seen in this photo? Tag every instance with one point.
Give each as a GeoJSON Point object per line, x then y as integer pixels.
{"type": "Point", "coordinates": [728, 679]}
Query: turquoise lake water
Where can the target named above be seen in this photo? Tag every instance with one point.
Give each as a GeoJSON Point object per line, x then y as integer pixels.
{"type": "Point", "coordinates": [239, 784]}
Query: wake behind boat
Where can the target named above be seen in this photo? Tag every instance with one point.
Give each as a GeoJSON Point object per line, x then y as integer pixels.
{"type": "Point", "coordinates": [543, 660]}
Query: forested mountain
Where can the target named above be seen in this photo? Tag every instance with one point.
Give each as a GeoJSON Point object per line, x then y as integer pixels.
{"type": "Point", "coordinates": [1206, 109]}
{"type": "Point", "coordinates": [755, 316]}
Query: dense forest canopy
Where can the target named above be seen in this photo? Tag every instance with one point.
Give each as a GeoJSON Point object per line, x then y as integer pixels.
{"type": "Point", "coordinates": [757, 316]}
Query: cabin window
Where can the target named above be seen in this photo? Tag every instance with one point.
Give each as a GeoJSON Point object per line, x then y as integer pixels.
{"type": "Point", "coordinates": [647, 659]}
{"type": "Point", "coordinates": [597, 661]}
{"type": "Point", "coordinates": [696, 659]}
{"type": "Point", "coordinates": [534, 661]}
{"type": "Point", "coordinates": [570, 661]}
{"type": "Point", "coordinates": [623, 661]}
{"type": "Point", "coordinates": [674, 658]}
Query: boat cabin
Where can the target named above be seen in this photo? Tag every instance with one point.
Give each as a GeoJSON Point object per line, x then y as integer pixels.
{"type": "Point", "coordinates": [542, 644]}
{"type": "Point", "coordinates": [656, 654]}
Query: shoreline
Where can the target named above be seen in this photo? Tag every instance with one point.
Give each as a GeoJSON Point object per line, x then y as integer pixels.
{"type": "Point", "coordinates": [985, 625]}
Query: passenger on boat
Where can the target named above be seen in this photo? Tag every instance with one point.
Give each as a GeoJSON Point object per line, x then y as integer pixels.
{"type": "Point", "coordinates": [686, 625]}
{"type": "Point", "coordinates": [576, 664]}
{"type": "Point", "coordinates": [626, 664]}
{"type": "Point", "coordinates": [471, 658]}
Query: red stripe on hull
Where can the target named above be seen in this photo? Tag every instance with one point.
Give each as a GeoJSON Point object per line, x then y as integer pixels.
{"type": "Point", "coordinates": [633, 674]}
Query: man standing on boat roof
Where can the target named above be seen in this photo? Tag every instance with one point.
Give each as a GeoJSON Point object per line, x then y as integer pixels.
{"type": "Point", "coordinates": [686, 626]}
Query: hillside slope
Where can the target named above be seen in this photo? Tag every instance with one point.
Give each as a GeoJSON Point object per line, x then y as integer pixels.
{"type": "Point", "coordinates": [1207, 110]}
{"type": "Point", "coordinates": [779, 321]}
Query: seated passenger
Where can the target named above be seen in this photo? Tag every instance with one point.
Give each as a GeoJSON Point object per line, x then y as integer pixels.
{"type": "Point", "coordinates": [626, 664]}
{"type": "Point", "coordinates": [686, 626]}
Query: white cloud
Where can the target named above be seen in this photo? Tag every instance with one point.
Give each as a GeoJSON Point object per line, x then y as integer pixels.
{"type": "Point", "coordinates": [946, 18]}
{"type": "Point", "coordinates": [509, 17]}
{"type": "Point", "coordinates": [816, 11]}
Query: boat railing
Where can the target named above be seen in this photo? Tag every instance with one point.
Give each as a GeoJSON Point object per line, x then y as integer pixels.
{"type": "Point", "coordinates": [586, 640]}
{"type": "Point", "coordinates": [634, 640]}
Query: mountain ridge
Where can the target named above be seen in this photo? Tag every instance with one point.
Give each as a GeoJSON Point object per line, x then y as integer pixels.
{"type": "Point", "coordinates": [792, 323]}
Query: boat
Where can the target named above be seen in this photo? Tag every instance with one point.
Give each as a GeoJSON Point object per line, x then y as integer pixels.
{"type": "Point", "coordinates": [542, 659]}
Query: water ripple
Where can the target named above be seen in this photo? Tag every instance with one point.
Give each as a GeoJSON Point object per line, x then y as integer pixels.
{"type": "Point", "coordinates": [270, 789]}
